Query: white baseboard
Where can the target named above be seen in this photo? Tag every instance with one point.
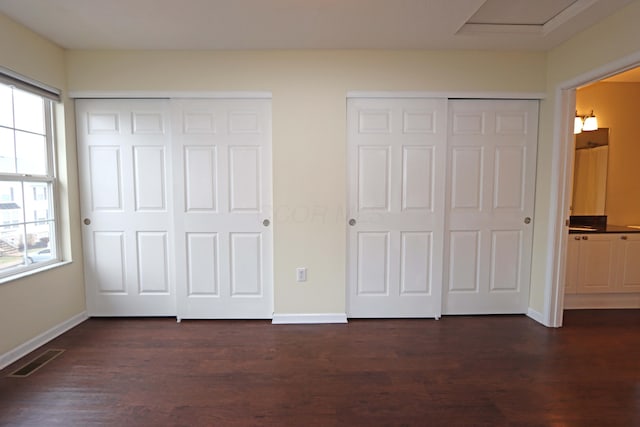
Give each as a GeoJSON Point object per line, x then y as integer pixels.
{"type": "Point", "coordinates": [536, 315]}
{"type": "Point", "coordinates": [22, 350]}
{"type": "Point", "coordinates": [285, 319]}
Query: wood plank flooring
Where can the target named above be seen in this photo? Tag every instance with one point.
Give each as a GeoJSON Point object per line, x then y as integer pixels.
{"type": "Point", "coordinates": [459, 371]}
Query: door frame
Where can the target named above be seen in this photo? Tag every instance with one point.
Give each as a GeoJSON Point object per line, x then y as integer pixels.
{"type": "Point", "coordinates": [562, 182]}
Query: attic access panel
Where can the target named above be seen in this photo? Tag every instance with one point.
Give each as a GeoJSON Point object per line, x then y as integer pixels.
{"type": "Point", "coordinates": [519, 12]}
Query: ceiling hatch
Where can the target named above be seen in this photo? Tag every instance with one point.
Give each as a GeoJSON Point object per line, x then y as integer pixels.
{"type": "Point", "coordinates": [523, 16]}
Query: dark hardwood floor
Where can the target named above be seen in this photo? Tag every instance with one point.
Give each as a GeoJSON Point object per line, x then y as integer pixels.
{"type": "Point", "coordinates": [459, 371]}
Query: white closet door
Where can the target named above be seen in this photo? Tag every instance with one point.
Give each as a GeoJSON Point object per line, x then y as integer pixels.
{"type": "Point", "coordinates": [222, 158]}
{"type": "Point", "coordinates": [396, 160]}
{"type": "Point", "coordinates": [126, 199]}
{"type": "Point", "coordinates": [490, 195]}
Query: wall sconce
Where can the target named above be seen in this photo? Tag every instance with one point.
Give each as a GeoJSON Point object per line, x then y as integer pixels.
{"type": "Point", "coordinates": [585, 123]}
{"type": "Point", "coordinates": [577, 124]}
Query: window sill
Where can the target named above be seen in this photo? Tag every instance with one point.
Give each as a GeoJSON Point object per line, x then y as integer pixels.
{"type": "Point", "coordinates": [28, 273]}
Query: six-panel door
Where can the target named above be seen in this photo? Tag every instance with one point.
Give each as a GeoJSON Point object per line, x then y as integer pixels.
{"type": "Point", "coordinates": [491, 165]}
{"type": "Point", "coordinates": [396, 158]}
{"type": "Point", "coordinates": [126, 197]}
{"type": "Point", "coordinates": [222, 158]}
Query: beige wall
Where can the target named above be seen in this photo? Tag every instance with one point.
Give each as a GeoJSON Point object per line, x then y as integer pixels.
{"type": "Point", "coordinates": [309, 130]}
{"type": "Point", "coordinates": [617, 105]}
{"type": "Point", "coordinates": [309, 144]}
{"type": "Point", "coordinates": [35, 304]}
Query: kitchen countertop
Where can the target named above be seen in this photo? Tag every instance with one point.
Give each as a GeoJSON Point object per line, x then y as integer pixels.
{"type": "Point", "coordinates": [609, 228]}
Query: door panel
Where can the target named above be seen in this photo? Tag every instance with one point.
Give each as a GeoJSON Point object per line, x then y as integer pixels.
{"type": "Point", "coordinates": [373, 264]}
{"type": "Point", "coordinates": [396, 155]}
{"type": "Point", "coordinates": [201, 184]}
{"type": "Point", "coordinates": [203, 278]}
{"type": "Point", "coordinates": [149, 180]}
{"type": "Point", "coordinates": [153, 263]}
{"type": "Point", "coordinates": [464, 259]}
{"type": "Point", "coordinates": [505, 260]}
{"type": "Point", "coordinates": [246, 266]}
{"type": "Point", "coordinates": [415, 266]}
{"type": "Point", "coordinates": [222, 157]}
{"type": "Point", "coordinates": [124, 171]}
{"type": "Point", "coordinates": [245, 176]}
{"type": "Point", "coordinates": [509, 179]}
{"type": "Point", "coordinates": [418, 178]}
{"type": "Point", "coordinates": [373, 179]}
{"type": "Point", "coordinates": [491, 182]}
{"type": "Point", "coordinates": [104, 170]}
{"type": "Point", "coordinates": [109, 262]}
{"type": "Point", "coordinates": [466, 178]}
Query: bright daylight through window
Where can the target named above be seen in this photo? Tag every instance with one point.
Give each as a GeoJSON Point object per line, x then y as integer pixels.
{"type": "Point", "coordinates": [27, 217]}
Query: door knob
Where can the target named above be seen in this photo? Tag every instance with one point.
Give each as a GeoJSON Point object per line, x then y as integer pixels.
{"type": "Point", "coordinates": [352, 222]}
{"type": "Point", "coordinates": [87, 221]}
{"type": "Point", "coordinates": [266, 222]}
{"type": "Point", "coordinates": [624, 237]}
{"type": "Point", "coordinates": [576, 238]}
{"type": "Point", "coordinates": [527, 220]}
{"type": "Point", "coordinates": [585, 237]}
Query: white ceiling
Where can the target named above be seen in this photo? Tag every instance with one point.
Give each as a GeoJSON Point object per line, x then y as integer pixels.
{"type": "Point", "coordinates": [309, 24]}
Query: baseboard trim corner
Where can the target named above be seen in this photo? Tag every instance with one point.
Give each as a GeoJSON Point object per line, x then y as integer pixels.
{"type": "Point", "coordinates": [22, 350]}
{"type": "Point", "coordinates": [536, 315]}
{"type": "Point", "coordinates": [308, 318]}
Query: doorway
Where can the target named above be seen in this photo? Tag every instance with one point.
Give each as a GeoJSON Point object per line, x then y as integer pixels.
{"type": "Point", "coordinates": [562, 182]}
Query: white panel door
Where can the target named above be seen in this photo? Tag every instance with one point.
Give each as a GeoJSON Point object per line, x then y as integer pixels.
{"type": "Point", "coordinates": [490, 193]}
{"type": "Point", "coordinates": [126, 199]}
{"type": "Point", "coordinates": [396, 159]}
{"type": "Point", "coordinates": [222, 158]}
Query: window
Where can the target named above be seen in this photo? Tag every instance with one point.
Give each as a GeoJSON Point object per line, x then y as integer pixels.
{"type": "Point", "coordinates": [27, 180]}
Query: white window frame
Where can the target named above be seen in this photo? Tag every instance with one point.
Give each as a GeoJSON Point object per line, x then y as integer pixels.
{"type": "Point", "coordinates": [50, 97]}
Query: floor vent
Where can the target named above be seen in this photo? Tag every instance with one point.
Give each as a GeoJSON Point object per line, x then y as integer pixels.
{"type": "Point", "coordinates": [36, 363]}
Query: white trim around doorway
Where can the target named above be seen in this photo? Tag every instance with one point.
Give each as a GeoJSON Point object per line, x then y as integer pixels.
{"type": "Point", "coordinates": [561, 181]}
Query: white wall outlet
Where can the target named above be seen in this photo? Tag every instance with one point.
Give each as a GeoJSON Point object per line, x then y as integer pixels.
{"type": "Point", "coordinates": [301, 274]}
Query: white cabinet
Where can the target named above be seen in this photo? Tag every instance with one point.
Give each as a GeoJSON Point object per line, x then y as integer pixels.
{"type": "Point", "coordinates": [596, 264]}
{"type": "Point", "coordinates": [603, 263]}
{"type": "Point", "coordinates": [628, 263]}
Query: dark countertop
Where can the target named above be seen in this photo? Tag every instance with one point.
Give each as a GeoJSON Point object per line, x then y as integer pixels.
{"type": "Point", "coordinates": [609, 228]}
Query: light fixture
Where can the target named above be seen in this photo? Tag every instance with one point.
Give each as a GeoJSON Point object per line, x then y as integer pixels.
{"type": "Point", "coordinates": [577, 124]}
{"type": "Point", "coordinates": [585, 123]}
{"type": "Point", "coordinates": [590, 122]}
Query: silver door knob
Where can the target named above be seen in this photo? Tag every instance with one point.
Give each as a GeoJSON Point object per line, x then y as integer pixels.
{"type": "Point", "coordinates": [527, 220]}
{"type": "Point", "coordinates": [87, 221]}
{"type": "Point", "coordinates": [352, 222]}
{"type": "Point", "coordinates": [266, 222]}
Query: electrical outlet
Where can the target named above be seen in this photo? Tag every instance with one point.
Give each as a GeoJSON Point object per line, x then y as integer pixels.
{"type": "Point", "coordinates": [301, 274]}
